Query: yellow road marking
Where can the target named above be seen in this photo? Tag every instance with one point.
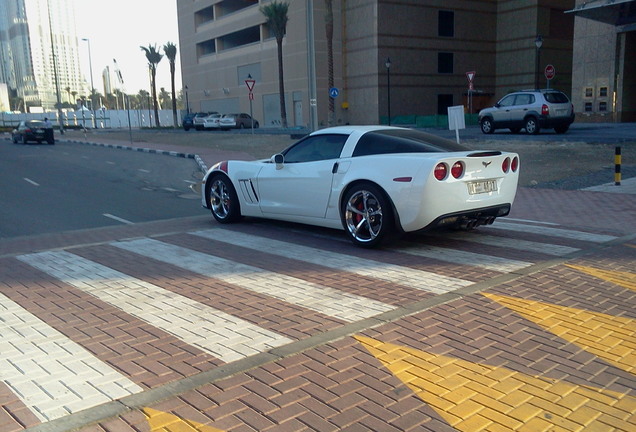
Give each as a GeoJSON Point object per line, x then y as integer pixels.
{"type": "Point", "coordinates": [611, 338]}
{"type": "Point", "coordinates": [160, 421]}
{"type": "Point", "coordinates": [624, 279]}
{"type": "Point", "coordinates": [475, 397]}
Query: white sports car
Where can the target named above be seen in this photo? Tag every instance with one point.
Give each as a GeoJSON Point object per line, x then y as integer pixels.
{"type": "Point", "coordinates": [369, 181]}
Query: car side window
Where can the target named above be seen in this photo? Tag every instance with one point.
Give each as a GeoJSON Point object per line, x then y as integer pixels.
{"type": "Point", "coordinates": [507, 101]}
{"type": "Point", "coordinates": [524, 99]}
{"type": "Point", "coordinates": [315, 148]}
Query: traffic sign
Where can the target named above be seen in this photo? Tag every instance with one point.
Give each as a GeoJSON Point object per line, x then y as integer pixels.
{"type": "Point", "coordinates": [250, 84]}
{"type": "Point", "coordinates": [471, 76]}
{"type": "Point", "coordinates": [334, 92]}
{"type": "Point", "coordinates": [549, 72]}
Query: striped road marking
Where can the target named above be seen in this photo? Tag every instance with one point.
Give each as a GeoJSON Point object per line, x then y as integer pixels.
{"type": "Point", "coordinates": [554, 232]}
{"type": "Point", "coordinates": [51, 374]}
{"type": "Point", "coordinates": [512, 243]}
{"type": "Point", "coordinates": [224, 336]}
{"type": "Point", "coordinates": [416, 279]}
{"type": "Point", "coordinates": [503, 265]}
{"type": "Point", "coordinates": [328, 301]}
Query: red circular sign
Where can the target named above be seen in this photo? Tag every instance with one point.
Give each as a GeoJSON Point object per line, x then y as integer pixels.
{"type": "Point", "coordinates": [549, 72]}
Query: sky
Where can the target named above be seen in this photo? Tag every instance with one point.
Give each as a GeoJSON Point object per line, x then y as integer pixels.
{"type": "Point", "coordinates": [116, 30]}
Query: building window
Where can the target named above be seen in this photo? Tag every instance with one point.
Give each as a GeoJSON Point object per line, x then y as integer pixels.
{"type": "Point", "coordinates": [240, 38]}
{"type": "Point", "coordinates": [602, 106]}
{"type": "Point", "coordinates": [589, 92]}
{"type": "Point", "coordinates": [443, 102]}
{"type": "Point", "coordinates": [206, 48]}
{"type": "Point", "coordinates": [602, 92]}
{"type": "Point", "coordinates": [204, 15]}
{"type": "Point", "coordinates": [445, 63]}
{"type": "Point", "coordinates": [446, 23]}
{"type": "Point", "coordinates": [588, 106]}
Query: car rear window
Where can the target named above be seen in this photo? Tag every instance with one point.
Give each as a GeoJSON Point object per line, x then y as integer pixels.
{"type": "Point", "coordinates": [556, 97]}
{"type": "Point", "coordinates": [403, 141]}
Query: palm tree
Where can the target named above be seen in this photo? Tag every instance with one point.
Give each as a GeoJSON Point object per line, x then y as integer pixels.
{"type": "Point", "coordinates": [170, 50]}
{"type": "Point", "coordinates": [154, 57]}
{"type": "Point", "coordinates": [68, 90]}
{"type": "Point", "coordinates": [276, 15]}
{"type": "Point", "coordinates": [329, 30]}
{"type": "Point", "coordinates": [74, 101]}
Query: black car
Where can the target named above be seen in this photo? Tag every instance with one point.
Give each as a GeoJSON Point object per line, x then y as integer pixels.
{"type": "Point", "coordinates": [32, 130]}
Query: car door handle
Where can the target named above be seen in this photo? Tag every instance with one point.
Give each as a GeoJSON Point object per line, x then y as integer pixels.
{"type": "Point", "coordinates": [335, 168]}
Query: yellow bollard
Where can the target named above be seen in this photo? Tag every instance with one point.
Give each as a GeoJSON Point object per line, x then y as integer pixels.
{"type": "Point", "coordinates": [617, 166]}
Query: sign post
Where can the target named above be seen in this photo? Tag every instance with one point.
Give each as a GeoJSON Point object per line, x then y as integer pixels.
{"type": "Point", "coordinates": [549, 73]}
{"type": "Point", "coordinates": [249, 82]}
{"type": "Point", "coordinates": [470, 76]}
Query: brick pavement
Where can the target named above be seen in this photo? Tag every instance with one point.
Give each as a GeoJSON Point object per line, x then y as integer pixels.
{"type": "Point", "coordinates": [545, 346]}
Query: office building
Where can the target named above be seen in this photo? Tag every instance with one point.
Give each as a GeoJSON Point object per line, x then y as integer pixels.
{"type": "Point", "coordinates": [39, 53]}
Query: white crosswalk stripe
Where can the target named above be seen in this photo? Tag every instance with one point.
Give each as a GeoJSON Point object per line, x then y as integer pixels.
{"type": "Point", "coordinates": [50, 373]}
{"type": "Point", "coordinates": [511, 243]}
{"type": "Point", "coordinates": [412, 278]}
{"type": "Point", "coordinates": [553, 232]}
{"type": "Point", "coordinates": [455, 256]}
{"type": "Point", "coordinates": [218, 333]}
{"type": "Point", "coordinates": [328, 301]}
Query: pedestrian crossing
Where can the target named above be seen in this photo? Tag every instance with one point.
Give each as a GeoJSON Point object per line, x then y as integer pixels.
{"type": "Point", "coordinates": [53, 376]}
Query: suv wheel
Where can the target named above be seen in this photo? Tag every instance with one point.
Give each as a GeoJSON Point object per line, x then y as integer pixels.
{"type": "Point", "coordinates": [532, 126]}
{"type": "Point", "coordinates": [487, 126]}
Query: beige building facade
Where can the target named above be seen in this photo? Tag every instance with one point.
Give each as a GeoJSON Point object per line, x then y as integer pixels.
{"type": "Point", "coordinates": [431, 46]}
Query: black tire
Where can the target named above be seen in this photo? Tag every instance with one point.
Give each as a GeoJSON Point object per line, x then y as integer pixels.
{"type": "Point", "coordinates": [241, 126]}
{"type": "Point", "coordinates": [255, 125]}
{"type": "Point", "coordinates": [186, 128]}
{"type": "Point", "coordinates": [532, 126]}
{"type": "Point", "coordinates": [562, 129]}
{"type": "Point", "coordinates": [486, 125]}
{"type": "Point", "coordinates": [366, 215]}
{"type": "Point", "coordinates": [51, 142]}
{"type": "Point", "coordinates": [222, 199]}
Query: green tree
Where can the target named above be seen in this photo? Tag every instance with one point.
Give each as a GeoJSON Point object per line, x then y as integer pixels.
{"type": "Point", "coordinates": [276, 16]}
{"type": "Point", "coordinates": [329, 31]}
{"type": "Point", "coordinates": [154, 57]}
{"type": "Point", "coordinates": [170, 50]}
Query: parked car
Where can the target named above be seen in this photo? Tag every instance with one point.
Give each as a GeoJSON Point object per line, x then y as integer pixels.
{"type": "Point", "coordinates": [369, 181]}
{"type": "Point", "coordinates": [237, 121]}
{"type": "Point", "coordinates": [32, 130]}
{"type": "Point", "coordinates": [188, 120]}
{"type": "Point", "coordinates": [198, 120]}
{"type": "Point", "coordinates": [211, 121]}
{"type": "Point", "coordinates": [531, 110]}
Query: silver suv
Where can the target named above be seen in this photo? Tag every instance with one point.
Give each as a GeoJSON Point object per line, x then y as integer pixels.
{"type": "Point", "coordinates": [530, 110]}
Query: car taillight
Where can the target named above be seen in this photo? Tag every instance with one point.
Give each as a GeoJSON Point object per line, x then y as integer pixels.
{"type": "Point", "coordinates": [505, 165]}
{"type": "Point", "coordinates": [457, 169]}
{"type": "Point", "coordinates": [545, 110]}
{"type": "Point", "coordinates": [515, 164]}
{"type": "Point", "coordinates": [441, 170]}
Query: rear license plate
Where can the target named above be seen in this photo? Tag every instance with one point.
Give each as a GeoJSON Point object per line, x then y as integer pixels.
{"type": "Point", "coordinates": [39, 131]}
{"type": "Point", "coordinates": [480, 187]}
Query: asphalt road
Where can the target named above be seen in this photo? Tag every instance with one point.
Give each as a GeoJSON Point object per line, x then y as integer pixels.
{"type": "Point", "coordinates": [70, 186]}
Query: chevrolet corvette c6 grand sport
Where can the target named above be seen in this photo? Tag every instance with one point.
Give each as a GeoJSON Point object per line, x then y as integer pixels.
{"type": "Point", "coordinates": [370, 181]}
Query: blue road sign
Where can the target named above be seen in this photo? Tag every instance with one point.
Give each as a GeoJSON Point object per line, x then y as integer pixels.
{"type": "Point", "coordinates": [334, 92]}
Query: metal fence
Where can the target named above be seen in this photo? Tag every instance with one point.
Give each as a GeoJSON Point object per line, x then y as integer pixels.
{"type": "Point", "coordinates": [104, 119]}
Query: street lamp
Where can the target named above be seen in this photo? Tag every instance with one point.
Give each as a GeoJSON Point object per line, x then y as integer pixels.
{"type": "Point", "coordinates": [187, 101]}
{"type": "Point", "coordinates": [387, 63]}
{"type": "Point", "coordinates": [538, 43]}
{"type": "Point", "coordinates": [90, 66]}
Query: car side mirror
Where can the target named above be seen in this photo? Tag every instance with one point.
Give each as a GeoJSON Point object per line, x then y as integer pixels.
{"type": "Point", "coordinates": [497, 105]}
{"type": "Point", "coordinates": [279, 160]}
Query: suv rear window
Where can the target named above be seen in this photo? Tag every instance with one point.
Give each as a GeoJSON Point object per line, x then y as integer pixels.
{"type": "Point", "coordinates": [556, 97]}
